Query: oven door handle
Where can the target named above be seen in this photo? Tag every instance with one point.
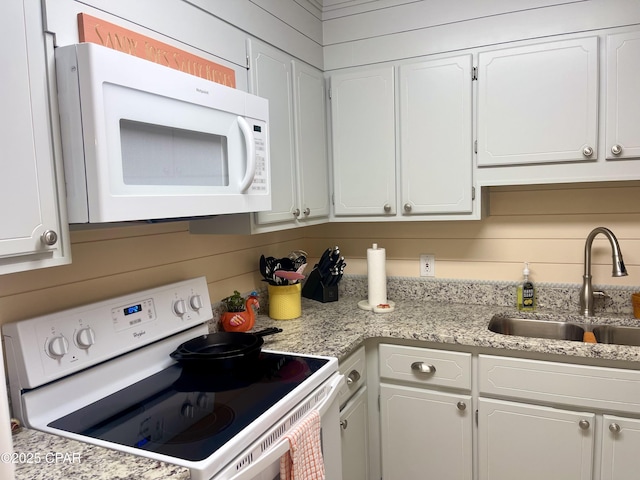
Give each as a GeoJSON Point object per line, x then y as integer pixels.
{"type": "Point", "coordinates": [282, 447]}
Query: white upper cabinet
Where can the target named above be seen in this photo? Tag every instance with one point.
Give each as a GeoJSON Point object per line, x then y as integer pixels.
{"type": "Point", "coordinates": [538, 103]}
{"type": "Point", "coordinates": [272, 78]}
{"type": "Point", "coordinates": [623, 96]}
{"type": "Point", "coordinates": [297, 128]}
{"type": "Point", "coordinates": [32, 232]}
{"type": "Point", "coordinates": [363, 136]}
{"type": "Point", "coordinates": [436, 138]}
{"type": "Point", "coordinates": [311, 146]}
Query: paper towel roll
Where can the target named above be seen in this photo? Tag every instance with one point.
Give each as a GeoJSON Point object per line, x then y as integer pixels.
{"type": "Point", "coordinates": [376, 275]}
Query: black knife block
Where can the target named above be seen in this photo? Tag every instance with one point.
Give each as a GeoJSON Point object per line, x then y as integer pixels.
{"type": "Point", "coordinates": [315, 290]}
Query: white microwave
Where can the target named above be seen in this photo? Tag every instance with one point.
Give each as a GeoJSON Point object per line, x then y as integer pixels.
{"type": "Point", "coordinates": [142, 141]}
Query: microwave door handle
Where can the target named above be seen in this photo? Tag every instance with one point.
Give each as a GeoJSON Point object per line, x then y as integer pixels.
{"type": "Point", "coordinates": [282, 447]}
{"type": "Point", "coordinates": [251, 155]}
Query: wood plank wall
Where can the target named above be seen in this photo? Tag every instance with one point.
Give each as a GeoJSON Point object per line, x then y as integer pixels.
{"type": "Point", "coordinates": [546, 226]}
{"type": "Point", "coordinates": [108, 262]}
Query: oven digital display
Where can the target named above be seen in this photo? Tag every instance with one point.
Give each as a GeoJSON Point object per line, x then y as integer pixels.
{"type": "Point", "coordinates": [133, 309]}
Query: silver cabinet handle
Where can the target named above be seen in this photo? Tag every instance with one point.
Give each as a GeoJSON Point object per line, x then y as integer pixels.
{"type": "Point", "coordinates": [344, 424]}
{"type": "Point", "coordinates": [296, 212]}
{"type": "Point", "coordinates": [407, 207]}
{"type": "Point", "coordinates": [49, 237]}
{"type": "Point", "coordinates": [353, 377]}
{"type": "Point", "coordinates": [584, 424]}
{"type": "Point", "coordinates": [461, 406]}
{"type": "Point", "coordinates": [614, 428]}
{"type": "Point", "coordinates": [387, 207]}
{"type": "Point", "coordinates": [616, 149]}
{"type": "Point", "coordinates": [587, 151]}
{"type": "Point", "coordinates": [307, 212]}
{"type": "Point", "coordinates": [422, 367]}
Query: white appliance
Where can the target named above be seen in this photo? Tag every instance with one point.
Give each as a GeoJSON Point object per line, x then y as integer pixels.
{"type": "Point", "coordinates": [102, 374]}
{"type": "Point", "coordinates": [143, 141]}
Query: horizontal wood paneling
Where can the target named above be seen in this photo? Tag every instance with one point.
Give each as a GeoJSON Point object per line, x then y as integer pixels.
{"type": "Point", "coordinates": [546, 226]}
{"type": "Point", "coordinates": [484, 31]}
{"type": "Point", "coordinates": [112, 261]}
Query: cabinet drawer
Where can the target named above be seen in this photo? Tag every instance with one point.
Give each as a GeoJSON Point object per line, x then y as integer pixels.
{"type": "Point", "coordinates": [426, 366]}
{"type": "Point", "coordinates": [576, 385]}
{"type": "Point", "coordinates": [354, 369]}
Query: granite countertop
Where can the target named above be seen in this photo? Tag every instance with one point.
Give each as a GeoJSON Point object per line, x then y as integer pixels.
{"type": "Point", "coordinates": [333, 329]}
{"type": "Point", "coordinates": [42, 456]}
{"type": "Point", "coordinates": [337, 328]}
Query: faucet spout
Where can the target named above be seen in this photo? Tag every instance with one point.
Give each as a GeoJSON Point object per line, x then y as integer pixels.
{"type": "Point", "coordinates": [619, 270]}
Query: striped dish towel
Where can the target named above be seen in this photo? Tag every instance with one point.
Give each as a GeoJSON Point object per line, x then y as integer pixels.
{"type": "Point", "coordinates": [303, 461]}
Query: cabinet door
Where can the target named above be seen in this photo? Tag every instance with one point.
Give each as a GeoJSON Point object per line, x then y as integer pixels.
{"type": "Point", "coordinates": [538, 103]}
{"type": "Point", "coordinates": [363, 139]}
{"type": "Point", "coordinates": [436, 136]}
{"type": "Point", "coordinates": [620, 447]}
{"type": "Point", "coordinates": [31, 230]}
{"type": "Point", "coordinates": [355, 437]}
{"type": "Point", "coordinates": [425, 434]}
{"type": "Point", "coordinates": [271, 78]}
{"type": "Point", "coordinates": [623, 96]}
{"type": "Point", "coordinates": [530, 442]}
{"type": "Point", "coordinates": [311, 147]}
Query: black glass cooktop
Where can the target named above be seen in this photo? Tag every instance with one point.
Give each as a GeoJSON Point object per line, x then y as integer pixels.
{"type": "Point", "coordinates": [190, 412]}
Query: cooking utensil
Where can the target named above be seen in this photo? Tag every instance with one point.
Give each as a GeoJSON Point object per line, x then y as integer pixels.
{"type": "Point", "coordinates": [289, 276]}
{"type": "Point", "coordinates": [222, 349]}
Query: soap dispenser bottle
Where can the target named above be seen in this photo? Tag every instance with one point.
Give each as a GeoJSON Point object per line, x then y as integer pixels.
{"type": "Point", "coordinates": [526, 292]}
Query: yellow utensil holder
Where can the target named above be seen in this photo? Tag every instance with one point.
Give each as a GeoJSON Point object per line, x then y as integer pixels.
{"type": "Point", "coordinates": [285, 301]}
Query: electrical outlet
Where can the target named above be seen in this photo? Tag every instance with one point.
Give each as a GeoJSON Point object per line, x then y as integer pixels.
{"type": "Point", "coordinates": [427, 265]}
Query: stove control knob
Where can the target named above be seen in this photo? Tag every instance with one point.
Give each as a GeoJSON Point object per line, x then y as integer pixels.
{"type": "Point", "coordinates": [195, 302]}
{"type": "Point", "coordinates": [57, 347]}
{"type": "Point", "coordinates": [85, 337]}
{"type": "Point", "coordinates": [179, 307]}
{"type": "Point", "coordinates": [187, 410]}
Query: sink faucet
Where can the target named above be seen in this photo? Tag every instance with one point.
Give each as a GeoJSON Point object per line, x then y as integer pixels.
{"type": "Point", "coordinates": [587, 293]}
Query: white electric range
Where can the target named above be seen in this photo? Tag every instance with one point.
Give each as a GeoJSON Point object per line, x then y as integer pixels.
{"type": "Point", "coordinates": [102, 374]}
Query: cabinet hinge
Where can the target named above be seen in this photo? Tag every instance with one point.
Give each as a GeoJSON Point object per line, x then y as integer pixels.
{"type": "Point", "coordinates": [378, 402]}
{"type": "Point", "coordinates": [476, 418]}
{"type": "Point", "coordinates": [333, 199]}
{"type": "Point", "coordinates": [248, 63]}
{"type": "Point", "coordinates": [474, 73]}
{"type": "Point", "coordinates": [473, 193]}
{"type": "Point", "coordinates": [475, 146]}
{"type": "Point", "coordinates": [329, 92]}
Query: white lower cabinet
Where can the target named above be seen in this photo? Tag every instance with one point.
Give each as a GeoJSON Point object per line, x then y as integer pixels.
{"type": "Point", "coordinates": [425, 434]}
{"type": "Point", "coordinates": [354, 417]}
{"type": "Point", "coordinates": [620, 448]}
{"type": "Point", "coordinates": [531, 442]}
{"type": "Point", "coordinates": [354, 428]}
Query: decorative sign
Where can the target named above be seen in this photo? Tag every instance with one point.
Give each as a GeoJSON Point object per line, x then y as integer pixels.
{"type": "Point", "coordinates": [94, 30]}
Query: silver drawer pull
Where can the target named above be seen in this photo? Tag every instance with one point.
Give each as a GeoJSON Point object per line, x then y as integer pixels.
{"type": "Point", "coordinates": [353, 377]}
{"type": "Point", "coordinates": [461, 406]}
{"type": "Point", "coordinates": [584, 424]}
{"type": "Point", "coordinates": [614, 428]}
{"type": "Point", "coordinates": [422, 367]}
{"type": "Point", "coordinates": [344, 424]}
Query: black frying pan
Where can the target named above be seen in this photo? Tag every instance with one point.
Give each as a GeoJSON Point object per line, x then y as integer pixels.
{"type": "Point", "coordinates": [222, 349]}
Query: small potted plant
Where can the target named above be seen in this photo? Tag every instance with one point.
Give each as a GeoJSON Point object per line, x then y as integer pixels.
{"type": "Point", "coordinates": [240, 314]}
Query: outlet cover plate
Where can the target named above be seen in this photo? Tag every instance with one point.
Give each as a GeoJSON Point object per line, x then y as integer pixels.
{"type": "Point", "coordinates": [427, 265]}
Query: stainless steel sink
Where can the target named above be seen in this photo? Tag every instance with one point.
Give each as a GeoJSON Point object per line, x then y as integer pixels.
{"type": "Point", "coordinates": [618, 335]}
{"type": "Point", "coordinates": [525, 327]}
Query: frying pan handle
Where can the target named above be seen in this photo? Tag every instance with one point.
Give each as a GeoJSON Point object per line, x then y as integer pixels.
{"type": "Point", "coordinates": [267, 331]}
